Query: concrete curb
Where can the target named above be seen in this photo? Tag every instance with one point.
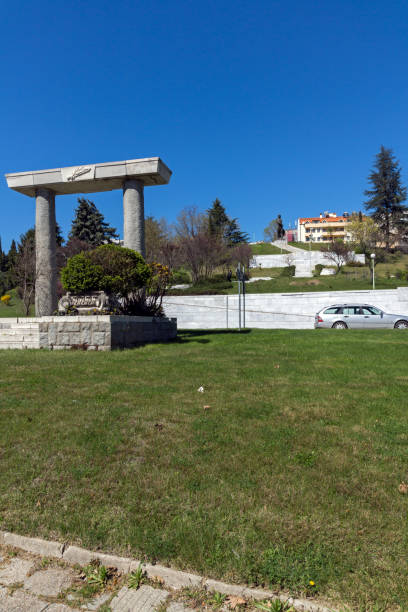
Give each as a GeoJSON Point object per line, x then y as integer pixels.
{"type": "Point", "coordinates": [174, 579]}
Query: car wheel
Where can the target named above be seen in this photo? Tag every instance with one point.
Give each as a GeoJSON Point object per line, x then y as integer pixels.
{"type": "Point", "coordinates": [339, 325]}
{"type": "Point", "coordinates": [401, 324]}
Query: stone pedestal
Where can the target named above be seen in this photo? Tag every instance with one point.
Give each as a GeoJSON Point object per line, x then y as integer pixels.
{"type": "Point", "coordinates": [133, 216]}
{"type": "Point", "coordinates": [45, 246]}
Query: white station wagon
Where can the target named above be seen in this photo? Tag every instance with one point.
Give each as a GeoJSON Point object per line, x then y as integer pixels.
{"type": "Point", "coordinates": [343, 316]}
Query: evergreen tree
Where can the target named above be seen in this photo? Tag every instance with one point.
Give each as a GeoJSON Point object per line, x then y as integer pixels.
{"type": "Point", "coordinates": [233, 234]}
{"type": "Point", "coordinates": [3, 259]}
{"type": "Point", "coordinates": [217, 218]}
{"type": "Point", "coordinates": [387, 194]}
{"type": "Point", "coordinates": [58, 235]}
{"type": "Point", "coordinates": [219, 224]}
{"type": "Point", "coordinates": [11, 263]}
{"type": "Point", "coordinates": [89, 225]}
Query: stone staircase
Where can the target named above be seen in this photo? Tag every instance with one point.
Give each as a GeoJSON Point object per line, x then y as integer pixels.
{"type": "Point", "coordinates": [17, 334]}
{"type": "Point", "coordinates": [304, 268]}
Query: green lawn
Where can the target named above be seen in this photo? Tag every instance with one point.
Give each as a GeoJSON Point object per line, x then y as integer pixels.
{"type": "Point", "coordinates": [352, 279]}
{"type": "Point", "coordinates": [265, 248]}
{"type": "Point", "coordinates": [290, 474]}
{"type": "Point", "coordinates": [15, 307]}
{"type": "Point", "coordinates": [314, 246]}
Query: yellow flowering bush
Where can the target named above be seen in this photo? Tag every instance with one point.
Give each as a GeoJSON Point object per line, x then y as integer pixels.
{"type": "Point", "coordinates": [5, 299]}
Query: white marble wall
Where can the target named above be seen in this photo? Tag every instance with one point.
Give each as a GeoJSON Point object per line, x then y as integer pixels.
{"type": "Point", "coordinates": [274, 310]}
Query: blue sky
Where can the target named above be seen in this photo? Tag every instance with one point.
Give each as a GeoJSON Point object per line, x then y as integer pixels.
{"type": "Point", "coordinates": [271, 106]}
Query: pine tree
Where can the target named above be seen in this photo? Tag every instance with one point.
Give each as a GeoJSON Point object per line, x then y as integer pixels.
{"type": "Point", "coordinates": [217, 218]}
{"type": "Point", "coordinates": [11, 262]}
{"type": "Point", "coordinates": [386, 195]}
{"type": "Point", "coordinates": [89, 225]}
{"type": "Point", "coordinates": [3, 259]}
{"type": "Point", "coordinates": [233, 234]}
{"type": "Point", "coordinates": [58, 235]}
{"type": "Point", "coordinates": [219, 224]}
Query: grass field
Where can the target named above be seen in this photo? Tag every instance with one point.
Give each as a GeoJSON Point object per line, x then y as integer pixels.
{"type": "Point", "coordinates": [352, 279]}
{"type": "Point", "coordinates": [306, 246]}
{"type": "Point", "coordinates": [265, 248]}
{"type": "Point", "coordinates": [15, 307]}
{"type": "Point", "coordinates": [285, 470]}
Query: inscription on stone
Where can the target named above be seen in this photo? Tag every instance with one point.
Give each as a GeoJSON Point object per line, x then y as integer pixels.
{"type": "Point", "coordinates": [88, 302]}
{"type": "Point", "coordinates": [80, 173]}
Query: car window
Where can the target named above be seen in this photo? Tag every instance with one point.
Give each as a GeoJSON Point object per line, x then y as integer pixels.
{"type": "Point", "coordinates": [349, 310]}
{"type": "Point", "coordinates": [369, 310]}
{"type": "Point", "coordinates": [332, 310]}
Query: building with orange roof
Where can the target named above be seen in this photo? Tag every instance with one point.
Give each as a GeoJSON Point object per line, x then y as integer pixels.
{"type": "Point", "coordinates": [324, 228]}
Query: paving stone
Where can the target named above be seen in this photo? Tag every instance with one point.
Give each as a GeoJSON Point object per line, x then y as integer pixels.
{"type": "Point", "coordinates": [258, 593]}
{"type": "Point", "coordinates": [59, 608]}
{"type": "Point", "coordinates": [172, 578]}
{"type": "Point", "coordinates": [15, 571]}
{"type": "Point", "coordinates": [97, 602]}
{"type": "Point", "coordinates": [145, 599]}
{"type": "Point", "coordinates": [33, 545]}
{"type": "Point", "coordinates": [49, 582]}
{"type": "Point", "coordinates": [176, 606]}
{"type": "Point", "coordinates": [222, 587]}
{"type": "Point", "coordinates": [74, 554]}
{"type": "Point", "coordinates": [20, 601]}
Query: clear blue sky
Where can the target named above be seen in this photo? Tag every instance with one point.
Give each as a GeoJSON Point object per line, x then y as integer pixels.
{"type": "Point", "coordinates": [271, 106]}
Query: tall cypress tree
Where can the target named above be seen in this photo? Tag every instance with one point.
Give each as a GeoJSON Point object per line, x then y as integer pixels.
{"type": "Point", "coordinates": [89, 225]}
{"type": "Point", "coordinates": [387, 194]}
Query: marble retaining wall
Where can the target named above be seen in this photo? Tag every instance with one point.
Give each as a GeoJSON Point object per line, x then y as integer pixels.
{"type": "Point", "coordinates": [274, 310]}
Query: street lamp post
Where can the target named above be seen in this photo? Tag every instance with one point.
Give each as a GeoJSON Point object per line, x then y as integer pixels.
{"type": "Point", "coordinates": [373, 264]}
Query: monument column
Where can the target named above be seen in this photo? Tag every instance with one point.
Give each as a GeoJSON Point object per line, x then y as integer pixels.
{"type": "Point", "coordinates": [133, 216]}
{"type": "Point", "coordinates": [45, 247]}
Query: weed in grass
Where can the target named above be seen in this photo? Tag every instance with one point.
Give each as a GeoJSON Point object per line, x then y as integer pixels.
{"type": "Point", "coordinates": [274, 606]}
{"type": "Point", "coordinates": [96, 575]}
{"type": "Point", "coordinates": [135, 578]}
{"type": "Point", "coordinates": [217, 599]}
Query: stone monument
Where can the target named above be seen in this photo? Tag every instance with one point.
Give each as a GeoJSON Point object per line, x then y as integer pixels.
{"type": "Point", "coordinates": [43, 185]}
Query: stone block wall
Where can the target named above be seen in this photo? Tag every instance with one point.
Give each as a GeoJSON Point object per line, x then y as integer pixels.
{"type": "Point", "coordinates": [101, 332]}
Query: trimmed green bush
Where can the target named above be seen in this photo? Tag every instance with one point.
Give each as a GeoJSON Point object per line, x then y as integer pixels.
{"type": "Point", "coordinates": [110, 268]}
{"type": "Point", "coordinates": [80, 275]}
{"type": "Point", "coordinates": [124, 270]}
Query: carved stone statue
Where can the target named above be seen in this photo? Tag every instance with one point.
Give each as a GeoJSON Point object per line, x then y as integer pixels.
{"type": "Point", "coordinates": [280, 232]}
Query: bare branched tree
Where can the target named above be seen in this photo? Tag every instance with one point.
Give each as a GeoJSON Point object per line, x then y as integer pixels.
{"type": "Point", "coordinates": [339, 253]}
{"type": "Point", "coordinates": [25, 269]}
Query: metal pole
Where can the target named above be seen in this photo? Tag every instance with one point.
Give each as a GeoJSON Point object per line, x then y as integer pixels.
{"type": "Point", "coordinates": [243, 291]}
{"type": "Point", "coordinates": [239, 295]}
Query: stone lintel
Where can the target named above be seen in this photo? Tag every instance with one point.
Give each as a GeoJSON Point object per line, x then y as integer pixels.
{"type": "Point", "coordinates": [90, 178]}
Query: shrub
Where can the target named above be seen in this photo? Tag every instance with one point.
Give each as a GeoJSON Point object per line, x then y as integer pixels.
{"type": "Point", "coordinates": [81, 275]}
{"type": "Point", "coordinates": [6, 299]}
{"type": "Point", "coordinates": [318, 269]}
{"type": "Point", "coordinates": [110, 268]}
{"type": "Point", "coordinates": [124, 270]}
{"type": "Point", "coordinates": [288, 271]}
{"type": "Point", "coordinates": [180, 277]}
